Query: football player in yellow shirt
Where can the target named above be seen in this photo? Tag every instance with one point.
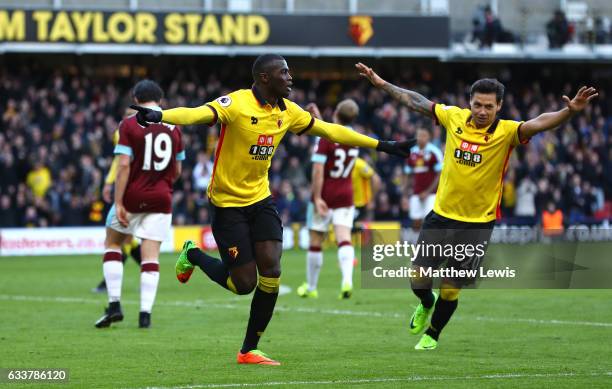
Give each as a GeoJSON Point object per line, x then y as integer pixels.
{"type": "Point", "coordinates": [366, 183]}
{"type": "Point", "coordinates": [245, 222]}
{"type": "Point", "coordinates": [478, 146]}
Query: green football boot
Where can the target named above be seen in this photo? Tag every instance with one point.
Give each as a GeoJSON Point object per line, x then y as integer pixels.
{"type": "Point", "coordinates": [419, 318]}
{"type": "Point", "coordinates": [183, 267]}
{"type": "Point", "coordinates": [426, 343]}
{"type": "Point", "coordinates": [303, 291]}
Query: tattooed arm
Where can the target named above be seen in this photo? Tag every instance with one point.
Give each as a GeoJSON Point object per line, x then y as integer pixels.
{"type": "Point", "coordinates": [413, 100]}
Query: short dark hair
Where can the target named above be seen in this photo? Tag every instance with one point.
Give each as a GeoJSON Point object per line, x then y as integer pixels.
{"type": "Point", "coordinates": [147, 90]}
{"type": "Point", "coordinates": [487, 86]}
{"type": "Point", "coordinates": [263, 62]}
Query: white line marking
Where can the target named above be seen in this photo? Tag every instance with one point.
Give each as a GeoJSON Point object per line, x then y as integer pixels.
{"type": "Point", "coordinates": [337, 312]}
{"type": "Point", "coordinates": [283, 290]}
{"type": "Point", "coordinates": [500, 376]}
{"type": "Point", "coordinates": [539, 321]}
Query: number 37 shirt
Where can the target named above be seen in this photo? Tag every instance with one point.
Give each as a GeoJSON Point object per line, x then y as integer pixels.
{"type": "Point", "coordinates": [154, 151]}
{"type": "Point", "coordinates": [338, 161]}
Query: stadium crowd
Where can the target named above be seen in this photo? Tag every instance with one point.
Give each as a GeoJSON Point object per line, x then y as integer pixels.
{"type": "Point", "coordinates": [56, 142]}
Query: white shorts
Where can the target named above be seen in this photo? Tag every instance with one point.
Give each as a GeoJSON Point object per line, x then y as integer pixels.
{"type": "Point", "coordinates": [419, 209]}
{"type": "Point", "coordinates": [338, 217]}
{"type": "Point", "coordinates": [151, 226]}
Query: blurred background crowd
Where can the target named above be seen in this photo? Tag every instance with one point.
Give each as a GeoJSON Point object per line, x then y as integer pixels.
{"type": "Point", "coordinates": [57, 125]}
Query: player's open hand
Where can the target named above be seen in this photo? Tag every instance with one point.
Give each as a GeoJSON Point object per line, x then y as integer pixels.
{"type": "Point", "coordinates": [321, 207]}
{"type": "Point", "coordinates": [144, 116]}
{"type": "Point", "coordinates": [582, 98]}
{"type": "Point", "coordinates": [370, 74]}
{"type": "Point", "coordinates": [401, 149]}
{"type": "Point", "coordinates": [314, 111]}
{"type": "Point", "coordinates": [122, 215]}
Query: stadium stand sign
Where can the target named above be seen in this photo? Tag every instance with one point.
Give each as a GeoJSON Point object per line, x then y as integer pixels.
{"type": "Point", "coordinates": [81, 31]}
{"type": "Point", "coordinates": [58, 241]}
{"type": "Point", "coordinates": [574, 233]}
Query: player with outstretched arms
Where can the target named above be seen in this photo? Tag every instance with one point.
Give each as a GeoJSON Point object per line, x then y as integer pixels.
{"type": "Point", "coordinates": [478, 145]}
{"type": "Point", "coordinates": [245, 222]}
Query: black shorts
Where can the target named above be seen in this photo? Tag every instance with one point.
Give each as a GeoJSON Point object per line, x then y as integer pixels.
{"type": "Point", "coordinates": [360, 213]}
{"type": "Point", "coordinates": [236, 229]}
{"type": "Point", "coordinates": [462, 245]}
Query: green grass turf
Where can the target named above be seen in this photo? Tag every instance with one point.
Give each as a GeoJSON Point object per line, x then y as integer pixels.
{"type": "Point", "coordinates": [498, 338]}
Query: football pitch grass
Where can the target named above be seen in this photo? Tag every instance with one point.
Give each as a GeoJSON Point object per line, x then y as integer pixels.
{"type": "Point", "coordinates": [498, 338]}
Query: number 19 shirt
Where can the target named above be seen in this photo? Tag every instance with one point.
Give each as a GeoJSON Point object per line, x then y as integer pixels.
{"type": "Point", "coordinates": [154, 151]}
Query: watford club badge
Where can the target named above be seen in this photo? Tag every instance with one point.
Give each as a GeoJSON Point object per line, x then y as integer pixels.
{"type": "Point", "coordinates": [233, 251]}
{"type": "Point", "coordinates": [360, 29]}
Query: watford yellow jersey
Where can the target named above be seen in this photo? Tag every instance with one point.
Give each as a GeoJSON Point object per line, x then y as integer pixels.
{"type": "Point", "coordinates": [475, 160]}
{"type": "Point", "coordinates": [111, 176]}
{"type": "Point", "coordinates": [251, 130]}
{"type": "Point", "coordinates": [362, 185]}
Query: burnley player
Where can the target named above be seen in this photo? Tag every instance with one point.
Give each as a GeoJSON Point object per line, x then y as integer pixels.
{"type": "Point", "coordinates": [245, 222]}
{"type": "Point", "coordinates": [131, 246]}
{"type": "Point", "coordinates": [478, 146]}
{"type": "Point", "coordinates": [149, 162]}
{"type": "Point", "coordinates": [332, 203]}
{"type": "Point", "coordinates": [424, 165]}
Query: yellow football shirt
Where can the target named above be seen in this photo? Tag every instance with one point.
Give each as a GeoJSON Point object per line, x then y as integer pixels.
{"type": "Point", "coordinates": [111, 176]}
{"type": "Point", "coordinates": [475, 160]}
{"type": "Point", "coordinates": [251, 130]}
{"type": "Point", "coordinates": [39, 181]}
{"type": "Point", "coordinates": [362, 186]}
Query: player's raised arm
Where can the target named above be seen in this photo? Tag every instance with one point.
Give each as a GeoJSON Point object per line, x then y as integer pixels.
{"type": "Point", "coordinates": [550, 120]}
{"type": "Point", "coordinates": [413, 100]}
{"type": "Point", "coordinates": [184, 116]}
{"type": "Point", "coordinates": [340, 134]}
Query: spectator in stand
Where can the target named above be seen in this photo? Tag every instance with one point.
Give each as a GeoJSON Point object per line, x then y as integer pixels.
{"type": "Point", "coordinates": [8, 214]}
{"type": "Point", "coordinates": [492, 28]}
{"type": "Point", "coordinates": [525, 210]}
{"type": "Point", "coordinates": [552, 220]}
{"type": "Point", "coordinates": [558, 30]}
{"type": "Point", "coordinates": [202, 172]}
{"type": "Point", "coordinates": [602, 30]}
{"type": "Point", "coordinates": [39, 179]}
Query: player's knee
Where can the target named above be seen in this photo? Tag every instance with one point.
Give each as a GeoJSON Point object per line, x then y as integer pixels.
{"type": "Point", "coordinates": [270, 268]}
{"type": "Point", "coordinates": [272, 271]}
{"type": "Point", "coordinates": [449, 292]}
{"type": "Point", "coordinates": [241, 283]}
{"type": "Point", "coordinates": [244, 287]}
{"type": "Point", "coordinates": [269, 284]}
